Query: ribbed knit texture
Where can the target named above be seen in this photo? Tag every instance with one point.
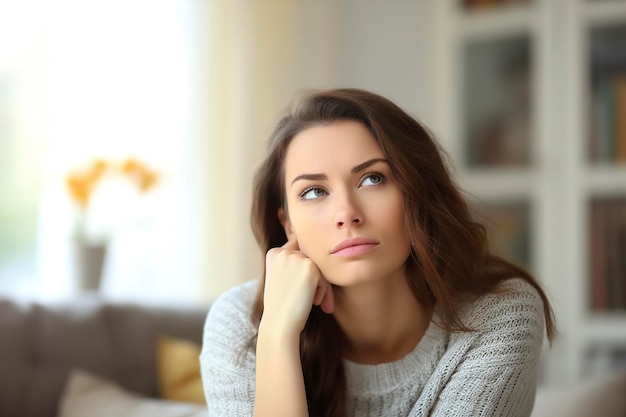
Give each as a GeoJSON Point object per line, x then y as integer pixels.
{"type": "Point", "coordinates": [489, 372]}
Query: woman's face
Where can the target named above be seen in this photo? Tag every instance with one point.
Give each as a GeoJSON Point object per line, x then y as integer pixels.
{"type": "Point", "coordinates": [344, 207]}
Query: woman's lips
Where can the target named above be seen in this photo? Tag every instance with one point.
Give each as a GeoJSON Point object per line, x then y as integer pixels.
{"type": "Point", "coordinates": [354, 247]}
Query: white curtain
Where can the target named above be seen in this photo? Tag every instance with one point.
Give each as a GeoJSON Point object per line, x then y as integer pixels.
{"type": "Point", "coordinates": [263, 52]}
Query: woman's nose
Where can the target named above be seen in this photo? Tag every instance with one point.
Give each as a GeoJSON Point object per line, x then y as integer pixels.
{"type": "Point", "coordinates": [348, 213]}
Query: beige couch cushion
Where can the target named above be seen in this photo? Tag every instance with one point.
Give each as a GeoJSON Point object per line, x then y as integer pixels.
{"type": "Point", "coordinates": [88, 395]}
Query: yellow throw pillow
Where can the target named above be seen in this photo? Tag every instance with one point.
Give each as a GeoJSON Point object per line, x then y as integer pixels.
{"type": "Point", "coordinates": [178, 370]}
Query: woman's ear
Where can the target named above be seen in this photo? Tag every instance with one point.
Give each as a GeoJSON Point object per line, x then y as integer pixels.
{"type": "Point", "coordinates": [287, 226]}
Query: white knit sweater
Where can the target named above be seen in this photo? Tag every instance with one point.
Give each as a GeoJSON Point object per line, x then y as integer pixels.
{"type": "Point", "coordinates": [489, 372]}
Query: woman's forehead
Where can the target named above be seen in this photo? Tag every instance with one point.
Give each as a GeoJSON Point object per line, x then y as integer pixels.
{"type": "Point", "coordinates": [340, 145]}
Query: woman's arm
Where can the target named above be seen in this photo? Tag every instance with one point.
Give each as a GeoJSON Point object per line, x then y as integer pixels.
{"type": "Point", "coordinates": [279, 380]}
{"type": "Point", "coordinates": [293, 284]}
{"type": "Point", "coordinates": [227, 360]}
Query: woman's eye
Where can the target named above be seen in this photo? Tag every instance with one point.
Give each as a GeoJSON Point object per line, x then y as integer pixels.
{"type": "Point", "coordinates": [372, 179]}
{"type": "Point", "coordinates": [313, 193]}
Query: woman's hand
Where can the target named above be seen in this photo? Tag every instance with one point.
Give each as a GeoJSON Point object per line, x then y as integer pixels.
{"type": "Point", "coordinates": [293, 283]}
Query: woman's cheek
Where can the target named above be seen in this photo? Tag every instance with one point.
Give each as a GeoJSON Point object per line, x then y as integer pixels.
{"type": "Point", "coordinates": [303, 248]}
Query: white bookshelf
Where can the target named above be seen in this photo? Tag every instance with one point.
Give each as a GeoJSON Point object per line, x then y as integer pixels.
{"type": "Point", "coordinates": [558, 181]}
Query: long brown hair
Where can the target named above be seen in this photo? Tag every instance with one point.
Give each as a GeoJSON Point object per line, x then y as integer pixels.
{"type": "Point", "coordinates": [449, 257]}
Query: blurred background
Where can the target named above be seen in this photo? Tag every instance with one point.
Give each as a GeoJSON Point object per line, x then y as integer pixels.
{"type": "Point", "coordinates": [130, 131]}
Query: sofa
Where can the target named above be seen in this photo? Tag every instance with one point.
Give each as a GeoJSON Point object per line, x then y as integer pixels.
{"type": "Point", "coordinates": [91, 357]}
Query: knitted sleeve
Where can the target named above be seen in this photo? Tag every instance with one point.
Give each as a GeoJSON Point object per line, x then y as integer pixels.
{"type": "Point", "coordinates": [227, 359]}
{"type": "Point", "coordinates": [496, 371]}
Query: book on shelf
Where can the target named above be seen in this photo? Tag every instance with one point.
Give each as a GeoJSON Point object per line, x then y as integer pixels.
{"type": "Point", "coordinates": [508, 231]}
{"type": "Point", "coordinates": [497, 102]}
{"type": "Point", "coordinates": [620, 117]}
{"type": "Point", "coordinates": [602, 121]}
{"type": "Point", "coordinates": [607, 140]}
{"type": "Point", "coordinates": [600, 359]}
{"type": "Point", "coordinates": [608, 255]}
{"type": "Point", "coordinates": [599, 292]}
{"type": "Point", "coordinates": [608, 119]}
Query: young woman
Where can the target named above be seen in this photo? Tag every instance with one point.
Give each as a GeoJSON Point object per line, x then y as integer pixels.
{"type": "Point", "coordinates": [379, 296]}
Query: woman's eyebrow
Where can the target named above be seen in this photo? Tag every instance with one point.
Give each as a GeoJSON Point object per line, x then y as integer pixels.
{"type": "Point", "coordinates": [364, 165]}
{"type": "Point", "coordinates": [319, 177]}
{"type": "Point", "coordinates": [312, 177]}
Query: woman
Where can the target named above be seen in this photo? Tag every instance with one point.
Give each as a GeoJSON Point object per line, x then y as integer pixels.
{"type": "Point", "coordinates": [379, 295]}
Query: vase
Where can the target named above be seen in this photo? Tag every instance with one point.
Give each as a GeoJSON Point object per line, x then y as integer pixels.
{"type": "Point", "coordinates": [89, 261]}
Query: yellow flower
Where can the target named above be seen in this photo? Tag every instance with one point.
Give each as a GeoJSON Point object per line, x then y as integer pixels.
{"type": "Point", "coordinates": [142, 176]}
{"type": "Point", "coordinates": [80, 190]}
{"type": "Point", "coordinates": [82, 183]}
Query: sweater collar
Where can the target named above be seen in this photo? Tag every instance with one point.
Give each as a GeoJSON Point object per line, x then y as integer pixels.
{"type": "Point", "coordinates": [415, 367]}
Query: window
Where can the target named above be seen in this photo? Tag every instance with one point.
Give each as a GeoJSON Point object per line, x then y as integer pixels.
{"type": "Point", "coordinates": [100, 79]}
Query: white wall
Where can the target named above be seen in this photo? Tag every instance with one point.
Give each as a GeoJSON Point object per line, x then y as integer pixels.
{"type": "Point", "coordinates": [384, 47]}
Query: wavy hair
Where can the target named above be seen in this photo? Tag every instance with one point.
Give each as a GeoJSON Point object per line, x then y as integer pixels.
{"type": "Point", "coordinates": [449, 258]}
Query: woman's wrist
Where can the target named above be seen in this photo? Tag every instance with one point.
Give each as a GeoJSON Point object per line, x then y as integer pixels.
{"type": "Point", "coordinates": [279, 380]}
{"type": "Point", "coordinates": [274, 333]}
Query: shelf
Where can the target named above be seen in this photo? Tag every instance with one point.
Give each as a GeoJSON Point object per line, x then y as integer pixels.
{"type": "Point", "coordinates": [605, 328]}
{"type": "Point", "coordinates": [605, 180]}
{"type": "Point", "coordinates": [600, 12]}
{"type": "Point", "coordinates": [499, 185]}
{"type": "Point", "coordinates": [540, 152]}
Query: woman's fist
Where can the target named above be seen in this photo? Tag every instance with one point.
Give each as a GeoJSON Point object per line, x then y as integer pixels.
{"type": "Point", "coordinates": [293, 283]}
